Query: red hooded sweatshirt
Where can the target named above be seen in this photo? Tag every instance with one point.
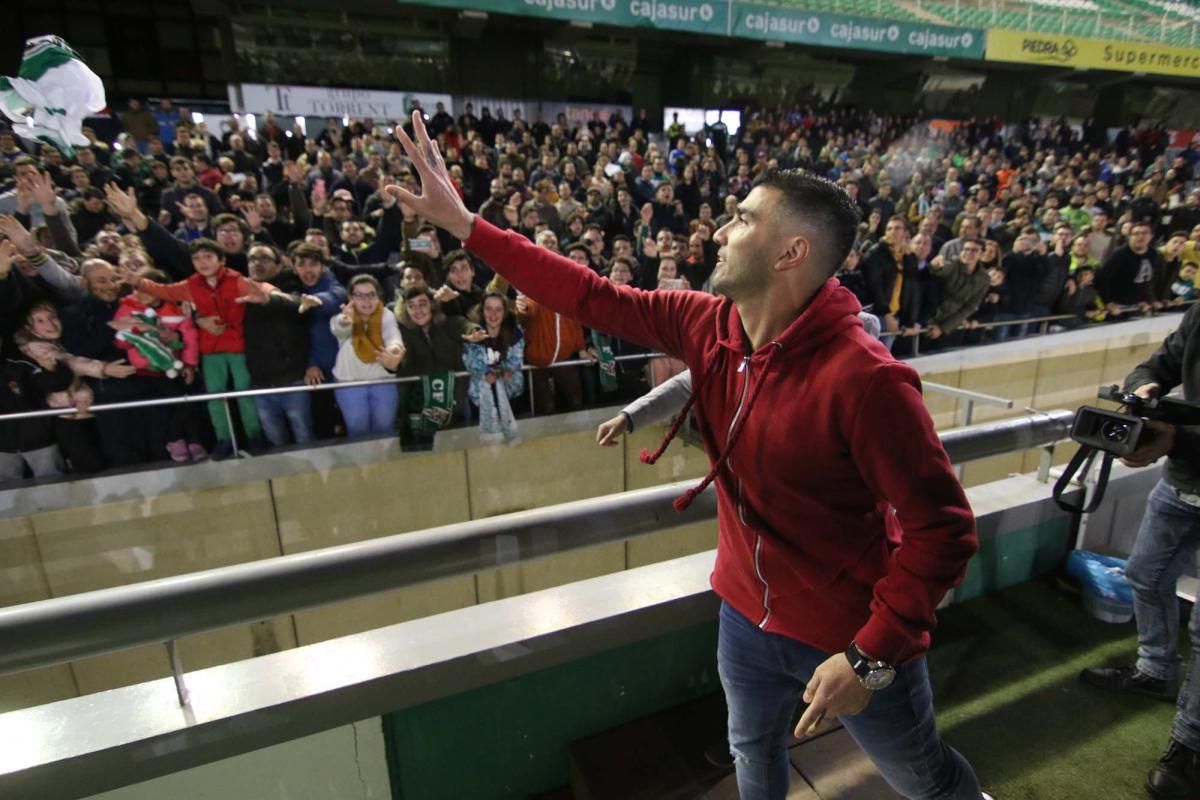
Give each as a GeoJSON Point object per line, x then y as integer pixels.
{"type": "Point", "coordinates": [840, 516]}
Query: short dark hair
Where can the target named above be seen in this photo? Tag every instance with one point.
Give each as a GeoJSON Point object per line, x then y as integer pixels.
{"type": "Point", "coordinates": [457, 255]}
{"type": "Point", "coordinates": [204, 243]}
{"type": "Point", "coordinates": [820, 201]}
{"type": "Point", "coordinates": [573, 246]}
{"type": "Point", "coordinates": [226, 218]}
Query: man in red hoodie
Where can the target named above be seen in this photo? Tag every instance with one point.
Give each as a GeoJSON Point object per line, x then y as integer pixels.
{"type": "Point", "coordinates": [842, 523]}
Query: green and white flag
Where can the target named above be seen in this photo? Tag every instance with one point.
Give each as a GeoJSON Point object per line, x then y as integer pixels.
{"type": "Point", "coordinates": [51, 94]}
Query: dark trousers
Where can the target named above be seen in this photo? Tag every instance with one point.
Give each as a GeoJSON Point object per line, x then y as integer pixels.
{"type": "Point", "coordinates": [137, 436]}
{"type": "Point", "coordinates": [557, 389]}
{"type": "Point", "coordinates": [326, 417]}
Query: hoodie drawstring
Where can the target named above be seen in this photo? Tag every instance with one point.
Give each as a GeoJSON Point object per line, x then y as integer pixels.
{"type": "Point", "coordinates": [681, 503]}
{"type": "Point", "coordinates": [645, 456]}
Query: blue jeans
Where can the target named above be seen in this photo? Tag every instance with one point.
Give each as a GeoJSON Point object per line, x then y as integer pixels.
{"type": "Point", "coordinates": [1166, 544]}
{"type": "Point", "coordinates": [286, 417]}
{"type": "Point", "coordinates": [368, 409]}
{"type": "Point", "coordinates": [764, 674]}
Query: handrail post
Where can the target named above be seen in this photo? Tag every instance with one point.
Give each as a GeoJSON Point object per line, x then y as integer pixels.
{"type": "Point", "coordinates": [232, 432]}
{"type": "Point", "coordinates": [1044, 463]}
{"type": "Point", "coordinates": [532, 393]}
{"type": "Point", "coordinates": [176, 660]}
{"type": "Point", "coordinates": [968, 411]}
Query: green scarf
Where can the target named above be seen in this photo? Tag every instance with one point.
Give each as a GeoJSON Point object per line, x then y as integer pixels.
{"type": "Point", "coordinates": [437, 403]}
{"type": "Point", "coordinates": [608, 361]}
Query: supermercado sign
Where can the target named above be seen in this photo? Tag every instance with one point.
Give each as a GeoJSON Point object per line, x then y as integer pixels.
{"type": "Point", "coordinates": [1073, 51]}
{"type": "Point", "coordinates": [318, 101]}
{"type": "Point", "coordinates": [834, 30]}
{"type": "Point", "coordinates": [697, 16]}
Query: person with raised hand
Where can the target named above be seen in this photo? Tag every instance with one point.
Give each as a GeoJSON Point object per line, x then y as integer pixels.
{"type": "Point", "coordinates": [370, 349]}
{"type": "Point", "coordinates": [846, 619]}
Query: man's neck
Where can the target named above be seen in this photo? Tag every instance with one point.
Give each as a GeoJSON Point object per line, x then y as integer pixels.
{"type": "Point", "coordinates": [765, 320]}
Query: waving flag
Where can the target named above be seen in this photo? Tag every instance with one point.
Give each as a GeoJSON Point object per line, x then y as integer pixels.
{"type": "Point", "coordinates": [51, 94]}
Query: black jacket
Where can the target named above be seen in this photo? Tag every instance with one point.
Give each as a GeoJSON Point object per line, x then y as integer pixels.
{"type": "Point", "coordinates": [1177, 362]}
{"type": "Point", "coordinates": [1127, 278]}
{"type": "Point", "coordinates": [439, 350]}
{"type": "Point", "coordinates": [277, 342]}
{"type": "Point", "coordinates": [880, 269]}
{"type": "Point", "coordinates": [1023, 275]}
{"type": "Point", "coordinates": [23, 388]}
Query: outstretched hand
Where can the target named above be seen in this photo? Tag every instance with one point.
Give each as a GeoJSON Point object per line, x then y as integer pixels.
{"type": "Point", "coordinates": [19, 235]}
{"type": "Point", "coordinates": [439, 202]}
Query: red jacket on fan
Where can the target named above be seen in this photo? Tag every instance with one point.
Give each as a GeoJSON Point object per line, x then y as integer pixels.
{"type": "Point", "coordinates": [211, 301]}
{"type": "Point", "coordinates": [840, 516]}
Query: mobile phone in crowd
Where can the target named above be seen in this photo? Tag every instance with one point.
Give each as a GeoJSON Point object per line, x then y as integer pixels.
{"type": "Point", "coordinates": [420, 245]}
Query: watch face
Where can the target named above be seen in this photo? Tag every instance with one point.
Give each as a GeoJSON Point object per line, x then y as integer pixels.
{"type": "Point", "coordinates": [880, 678]}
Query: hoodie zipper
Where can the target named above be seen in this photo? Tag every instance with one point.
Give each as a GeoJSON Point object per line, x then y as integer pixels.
{"type": "Point", "coordinates": [741, 508]}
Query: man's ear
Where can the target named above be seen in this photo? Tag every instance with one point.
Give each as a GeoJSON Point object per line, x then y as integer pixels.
{"type": "Point", "coordinates": [795, 254]}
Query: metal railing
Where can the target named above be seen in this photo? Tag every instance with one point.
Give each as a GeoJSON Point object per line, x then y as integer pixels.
{"type": "Point", "coordinates": [1043, 323]}
{"type": "Point", "coordinates": [78, 626]}
{"type": "Point", "coordinates": [225, 397]}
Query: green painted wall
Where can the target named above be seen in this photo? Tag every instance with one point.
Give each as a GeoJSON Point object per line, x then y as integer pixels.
{"type": "Point", "coordinates": [510, 739]}
{"type": "Point", "coordinates": [1015, 557]}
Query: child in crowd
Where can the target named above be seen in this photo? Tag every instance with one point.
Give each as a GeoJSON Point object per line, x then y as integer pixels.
{"type": "Point", "coordinates": [163, 343]}
{"type": "Point", "coordinates": [219, 295]}
{"type": "Point", "coordinates": [1183, 288]}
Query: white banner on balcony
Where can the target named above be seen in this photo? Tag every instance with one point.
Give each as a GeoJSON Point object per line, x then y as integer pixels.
{"type": "Point", "coordinates": [321, 101]}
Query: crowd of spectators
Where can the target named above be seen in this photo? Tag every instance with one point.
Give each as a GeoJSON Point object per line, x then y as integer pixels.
{"type": "Point", "coordinates": [178, 261]}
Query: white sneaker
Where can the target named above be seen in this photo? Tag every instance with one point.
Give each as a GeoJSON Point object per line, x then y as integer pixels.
{"type": "Point", "coordinates": [987, 796]}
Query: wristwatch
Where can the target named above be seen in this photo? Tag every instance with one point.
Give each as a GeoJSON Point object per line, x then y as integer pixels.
{"type": "Point", "coordinates": [873, 675]}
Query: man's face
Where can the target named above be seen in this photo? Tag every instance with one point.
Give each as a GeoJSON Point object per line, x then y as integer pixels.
{"type": "Point", "coordinates": [497, 189]}
{"type": "Point", "coordinates": [620, 274]}
{"type": "Point", "coordinates": [265, 207]}
{"type": "Point", "coordinates": [230, 237]}
{"type": "Point", "coordinates": [970, 253]}
{"type": "Point", "coordinates": [622, 248]}
{"type": "Point", "coordinates": [183, 173]}
{"type": "Point", "coordinates": [420, 310]}
{"type": "Point", "coordinates": [460, 275]}
{"type": "Point", "coordinates": [108, 244]}
{"type": "Point", "coordinates": [94, 204]}
{"type": "Point", "coordinates": [308, 270]}
{"type": "Point", "coordinates": [1062, 236]}
{"type": "Point", "coordinates": [411, 277]}
{"type": "Point", "coordinates": [895, 232]}
{"type": "Point", "coordinates": [352, 234]}
{"type": "Point", "coordinates": [1139, 238]}
{"type": "Point", "coordinates": [969, 228]}
{"type": "Point", "coordinates": [264, 265]}
{"type": "Point", "coordinates": [1174, 246]}
{"type": "Point", "coordinates": [1079, 247]}
{"type": "Point", "coordinates": [102, 283]}
{"type": "Point", "coordinates": [745, 245]}
{"type": "Point", "coordinates": [578, 256]}
{"type": "Point", "coordinates": [921, 246]}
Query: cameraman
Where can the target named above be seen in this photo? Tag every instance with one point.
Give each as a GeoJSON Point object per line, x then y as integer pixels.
{"type": "Point", "coordinates": [1166, 543]}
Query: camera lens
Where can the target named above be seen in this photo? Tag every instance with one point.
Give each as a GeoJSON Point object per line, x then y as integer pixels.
{"type": "Point", "coordinates": [1114, 431]}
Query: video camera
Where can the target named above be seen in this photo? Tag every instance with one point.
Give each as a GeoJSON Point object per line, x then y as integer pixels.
{"type": "Point", "coordinates": [1117, 435]}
